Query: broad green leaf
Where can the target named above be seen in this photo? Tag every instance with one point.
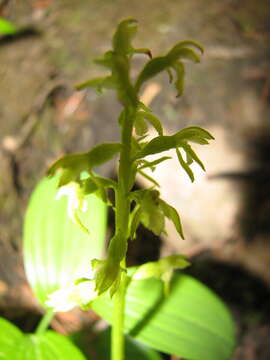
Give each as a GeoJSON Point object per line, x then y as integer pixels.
{"type": "Point", "coordinates": [134, 350]}
{"type": "Point", "coordinates": [56, 251]}
{"type": "Point", "coordinates": [10, 335]}
{"type": "Point", "coordinates": [14, 345]}
{"type": "Point", "coordinates": [192, 322]}
{"type": "Point", "coordinates": [47, 346]}
{"type": "Point", "coordinates": [7, 28]}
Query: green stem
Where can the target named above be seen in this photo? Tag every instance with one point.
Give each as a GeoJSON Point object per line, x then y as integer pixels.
{"type": "Point", "coordinates": [44, 322]}
{"type": "Point", "coordinates": [117, 336]}
{"type": "Point", "coordinates": [118, 251]}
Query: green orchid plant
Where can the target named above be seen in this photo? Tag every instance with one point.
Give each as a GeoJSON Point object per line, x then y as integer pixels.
{"type": "Point", "coordinates": [150, 210]}
{"type": "Point", "coordinates": [134, 148]}
{"type": "Point", "coordinates": [166, 311]}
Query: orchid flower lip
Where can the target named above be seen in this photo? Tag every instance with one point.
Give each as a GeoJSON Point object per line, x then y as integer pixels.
{"type": "Point", "coordinates": [75, 198]}
{"type": "Point", "coordinates": [75, 202]}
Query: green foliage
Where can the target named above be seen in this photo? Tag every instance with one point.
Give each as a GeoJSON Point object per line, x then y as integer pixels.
{"type": "Point", "coordinates": [162, 269]}
{"type": "Point", "coordinates": [151, 211]}
{"type": "Point", "coordinates": [108, 274]}
{"type": "Point", "coordinates": [140, 125]}
{"type": "Point", "coordinates": [179, 140]}
{"type": "Point", "coordinates": [55, 250]}
{"type": "Point", "coordinates": [47, 346]}
{"type": "Point", "coordinates": [75, 164]}
{"type": "Point", "coordinates": [10, 336]}
{"type": "Point", "coordinates": [170, 62]}
{"type": "Point", "coordinates": [191, 322]}
{"type": "Point", "coordinates": [6, 27]}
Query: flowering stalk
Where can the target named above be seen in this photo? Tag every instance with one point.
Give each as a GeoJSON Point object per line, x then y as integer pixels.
{"type": "Point", "coordinates": [117, 335]}
{"type": "Point", "coordinates": [110, 275]}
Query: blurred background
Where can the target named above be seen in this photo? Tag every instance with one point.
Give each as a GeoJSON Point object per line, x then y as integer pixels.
{"type": "Point", "coordinates": [225, 213]}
